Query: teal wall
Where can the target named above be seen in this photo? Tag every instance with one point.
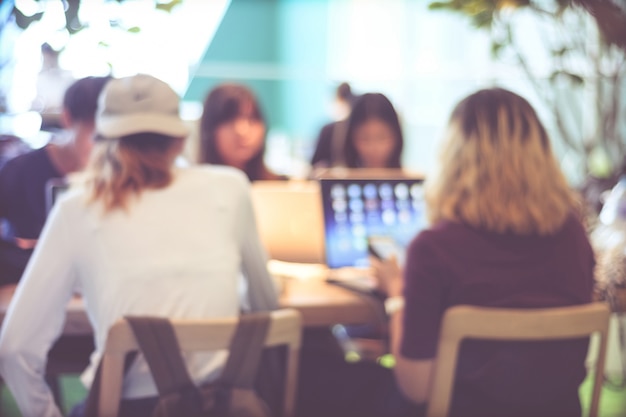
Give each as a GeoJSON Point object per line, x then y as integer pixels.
{"type": "Point", "coordinates": [278, 48]}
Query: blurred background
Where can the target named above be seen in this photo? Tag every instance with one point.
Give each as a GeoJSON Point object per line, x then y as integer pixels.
{"type": "Point", "coordinates": [567, 57]}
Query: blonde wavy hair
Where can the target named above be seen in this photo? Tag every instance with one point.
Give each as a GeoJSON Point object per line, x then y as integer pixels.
{"type": "Point", "coordinates": [496, 170]}
{"type": "Point", "coordinates": [122, 168]}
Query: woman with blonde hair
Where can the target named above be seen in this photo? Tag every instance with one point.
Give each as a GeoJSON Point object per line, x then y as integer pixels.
{"type": "Point", "coordinates": [140, 238]}
{"type": "Point", "coordinates": [504, 233]}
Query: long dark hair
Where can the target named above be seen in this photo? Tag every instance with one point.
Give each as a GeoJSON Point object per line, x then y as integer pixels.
{"type": "Point", "coordinates": [223, 104]}
{"type": "Point", "coordinates": [373, 106]}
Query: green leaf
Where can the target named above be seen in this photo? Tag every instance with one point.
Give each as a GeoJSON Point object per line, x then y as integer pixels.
{"type": "Point", "coordinates": [599, 162]}
{"type": "Point", "coordinates": [496, 48]}
{"type": "Point", "coordinates": [573, 78]}
{"type": "Point", "coordinates": [482, 20]}
{"type": "Point", "coordinates": [134, 29]}
{"type": "Point", "coordinates": [560, 52]}
{"type": "Point", "coordinates": [168, 6]}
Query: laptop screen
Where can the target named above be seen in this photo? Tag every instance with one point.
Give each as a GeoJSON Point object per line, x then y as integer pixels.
{"type": "Point", "coordinates": [357, 209]}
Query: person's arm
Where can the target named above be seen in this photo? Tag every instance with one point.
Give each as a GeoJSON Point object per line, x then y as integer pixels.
{"type": "Point", "coordinates": [413, 328]}
{"type": "Point", "coordinates": [412, 375]}
{"type": "Point", "coordinates": [261, 290]}
{"type": "Point", "coordinates": [35, 319]}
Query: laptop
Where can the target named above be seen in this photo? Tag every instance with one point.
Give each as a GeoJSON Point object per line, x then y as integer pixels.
{"type": "Point", "coordinates": [289, 219]}
{"type": "Point", "coordinates": [55, 187]}
{"type": "Point", "coordinates": [359, 211]}
{"type": "Point", "coordinates": [368, 173]}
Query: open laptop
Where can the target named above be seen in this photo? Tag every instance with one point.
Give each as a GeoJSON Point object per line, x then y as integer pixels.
{"type": "Point", "coordinates": [357, 210]}
{"type": "Point", "coordinates": [289, 219]}
{"type": "Point", "coordinates": [368, 173]}
{"type": "Point", "coordinates": [55, 187]}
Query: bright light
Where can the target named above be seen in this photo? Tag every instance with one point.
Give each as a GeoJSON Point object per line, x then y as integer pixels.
{"type": "Point", "coordinates": [27, 7]}
{"type": "Point", "coordinates": [166, 46]}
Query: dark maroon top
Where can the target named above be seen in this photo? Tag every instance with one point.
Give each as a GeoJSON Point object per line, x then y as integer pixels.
{"type": "Point", "coordinates": [453, 264]}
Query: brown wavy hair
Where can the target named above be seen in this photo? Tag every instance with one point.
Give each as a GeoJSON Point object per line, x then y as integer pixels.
{"type": "Point", "coordinates": [496, 169]}
{"type": "Point", "coordinates": [122, 168]}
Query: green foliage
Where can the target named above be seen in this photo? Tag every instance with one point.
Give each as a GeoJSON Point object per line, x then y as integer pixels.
{"type": "Point", "coordinates": [168, 6]}
{"type": "Point", "coordinates": [481, 12]}
{"type": "Point", "coordinates": [593, 66]}
{"type": "Point", "coordinates": [73, 24]}
{"type": "Point", "coordinates": [575, 79]}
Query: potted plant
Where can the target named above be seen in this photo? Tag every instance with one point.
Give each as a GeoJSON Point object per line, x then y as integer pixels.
{"type": "Point", "coordinates": [584, 85]}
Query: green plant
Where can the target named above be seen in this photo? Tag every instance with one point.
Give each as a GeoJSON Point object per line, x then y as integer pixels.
{"type": "Point", "coordinates": [72, 7]}
{"type": "Point", "coordinates": [585, 86]}
{"type": "Point", "coordinates": [22, 14]}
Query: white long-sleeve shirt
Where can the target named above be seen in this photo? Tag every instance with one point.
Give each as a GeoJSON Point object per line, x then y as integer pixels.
{"type": "Point", "coordinates": [177, 252]}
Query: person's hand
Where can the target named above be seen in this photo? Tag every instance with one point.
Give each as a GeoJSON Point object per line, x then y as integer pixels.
{"type": "Point", "coordinates": [388, 275]}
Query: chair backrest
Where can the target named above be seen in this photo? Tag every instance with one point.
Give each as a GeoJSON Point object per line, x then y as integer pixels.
{"type": "Point", "coordinates": [462, 322]}
{"type": "Point", "coordinates": [198, 335]}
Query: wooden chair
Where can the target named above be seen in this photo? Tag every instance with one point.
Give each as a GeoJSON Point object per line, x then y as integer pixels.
{"type": "Point", "coordinates": [199, 335]}
{"type": "Point", "coordinates": [461, 322]}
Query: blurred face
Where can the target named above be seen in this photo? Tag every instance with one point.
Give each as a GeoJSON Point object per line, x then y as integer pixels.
{"type": "Point", "coordinates": [240, 139]}
{"type": "Point", "coordinates": [374, 141]}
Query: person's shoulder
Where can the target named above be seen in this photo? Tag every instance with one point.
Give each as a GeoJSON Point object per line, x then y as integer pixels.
{"type": "Point", "coordinates": [326, 131]}
{"type": "Point", "coordinates": [73, 201]}
{"type": "Point", "coordinates": [444, 230]}
{"type": "Point", "coordinates": [442, 236]}
{"type": "Point", "coordinates": [572, 230]}
{"type": "Point", "coordinates": [24, 160]}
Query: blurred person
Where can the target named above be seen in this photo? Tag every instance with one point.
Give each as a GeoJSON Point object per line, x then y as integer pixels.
{"type": "Point", "coordinates": [101, 238]}
{"type": "Point", "coordinates": [330, 141]}
{"type": "Point", "coordinates": [233, 131]}
{"type": "Point", "coordinates": [23, 179]}
{"type": "Point", "coordinates": [52, 81]}
{"type": "Point", "coordinates": [504, 233]}
{"type": "Point", "coordinates": [374, 137]}
{"type": "Point", "coordinates": [10, 147]}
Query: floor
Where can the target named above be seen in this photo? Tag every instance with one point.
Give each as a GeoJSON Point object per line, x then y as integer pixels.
{"type": "Point", "coordinates": [613, 399]}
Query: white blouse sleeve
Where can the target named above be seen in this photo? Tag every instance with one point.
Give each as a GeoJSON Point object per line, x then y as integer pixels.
{"type": "Point", "coordinates": [261, 290]}
{"type": "Point", "coordinates": [36, 316]}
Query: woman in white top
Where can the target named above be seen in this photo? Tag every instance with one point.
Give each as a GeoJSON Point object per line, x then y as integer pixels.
{"type": "Point", "coordinates": [140, 238]}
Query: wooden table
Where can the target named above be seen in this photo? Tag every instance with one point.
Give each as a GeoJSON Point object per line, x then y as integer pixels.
{"type": "Point", "coordinates": [320, 303]}
{"type": "Point", "coordinates": [323, 304]}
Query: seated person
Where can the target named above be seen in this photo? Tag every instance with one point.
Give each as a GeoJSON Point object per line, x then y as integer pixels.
{"type": "Point", "coordinates": [23, 179]}
{"type": "Point", "coordinates": [374, 141]}
{"type": "Point", "coordinates": [329, 145]}
{"type": "Point", "coordinates": [101, 238]}
{"type": "Point", "coordinates": [374, 137]}
{"type": "Point", "coordinates": [10, 147]}
{"type": "Point", "coordinates": [504, 233]}
{"type": "Point", "coordinates": [233, 131]}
